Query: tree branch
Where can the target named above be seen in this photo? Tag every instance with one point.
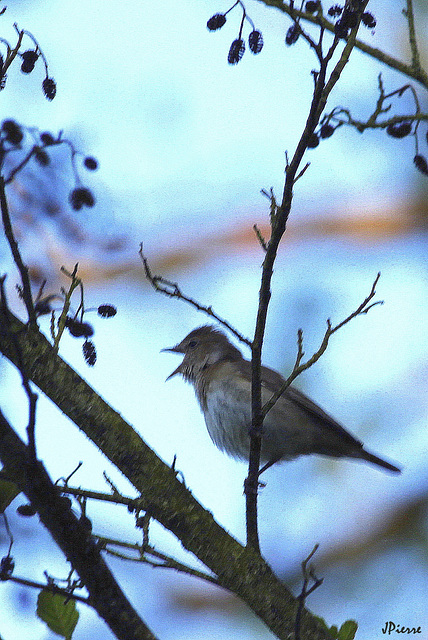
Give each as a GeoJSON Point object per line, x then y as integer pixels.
{"type": "Point", "coordinates": [22, 268]}
{"type": "Point", "coordinates": [322, 90]}
{"type": "Point", "coordinates": [172, 290]}
{"type": "Point", "coordinates": [72, 537]}
{"type": "Point", "coordinates": [410, 70]}
{"type": "Point", "coordinates": [298, 368]}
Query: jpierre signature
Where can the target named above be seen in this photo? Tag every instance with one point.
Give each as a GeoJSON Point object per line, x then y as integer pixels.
{"type": "Point", "coordinates": [392, 627]}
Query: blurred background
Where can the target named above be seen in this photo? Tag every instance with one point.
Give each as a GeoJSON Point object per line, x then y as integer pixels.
{"type": "Point", "coordinates": [185, 143]}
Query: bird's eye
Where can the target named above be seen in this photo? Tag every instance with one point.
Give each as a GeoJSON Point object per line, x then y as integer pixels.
{"type": "Point", "coordinates": [192, 344]}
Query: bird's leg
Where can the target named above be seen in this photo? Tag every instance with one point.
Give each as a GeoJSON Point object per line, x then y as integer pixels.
{"type": "Point", "coordinates": [268, 464]}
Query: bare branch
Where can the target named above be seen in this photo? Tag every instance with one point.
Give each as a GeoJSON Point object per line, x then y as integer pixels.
{"type": "Point", "coordinates": [22, 268]}
{"type": "Point", "coordinates": [149, 555]}
{"type": "Point", "coordinates": [75, 282]}
{"type": "Point", "coordinates": [72, 537]}
{"type": "Point", "coordinates": [32, 397]}
{"type": "Point", "coordinates": [324, 84]}
{"type": "Point", "coordinates": [68, 595]}
{"type": "Point", "coordinates": [172, 290]}
{"type": "Point", "coordinates": [299, 367]}
{"type": "Point", "coordinates": [410, 70]}
{"type": "Point", "coordinates": [260, 238]}
{"type": "Point", "coordinates": [308, 575]}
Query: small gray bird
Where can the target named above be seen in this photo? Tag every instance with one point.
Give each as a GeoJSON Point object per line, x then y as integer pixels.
{"type": "Point", "coordinates": [294, 426]}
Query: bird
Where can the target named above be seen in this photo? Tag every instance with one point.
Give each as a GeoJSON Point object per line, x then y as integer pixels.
{"type": "Point", "coordinates": [294, 426]}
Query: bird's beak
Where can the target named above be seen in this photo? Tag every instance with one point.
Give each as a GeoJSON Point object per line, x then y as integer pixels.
{"type": "Point", "coordinates": [175, 349]}
{"type": "Point", "coordinates": [171, 375]}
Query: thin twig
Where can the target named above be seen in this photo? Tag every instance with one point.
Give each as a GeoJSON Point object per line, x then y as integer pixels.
{"type": "Point", "coordinates": [260, 238]}
{"type": "Point", "coordinates": [97, 495]}
{"type": "Point", "coordinates": [300, 174]}
{"type": "Point", "coordinates": [31, 426]}
{"type": "Point", "coordinates": [308, 574]}
{"type": "Point", "coordinates": [12, 53]}
{"type": "Point", "coordinates": [363, 308]}
{"type": "Point", "coordinates": [342, 116]}
{"type": "Point", "coordinates": [22, 268]}
{"type": "Point", "coordinates": [8, 531]}
{"type": "Point", "coordinates": [172, 290]}
{"type": "Point", "coordinates": [32, 397]}
{"type": "Point", "coordinates": [162, 561]}
{"type": "Point", "coordinates": [68, 595]}
{"type": "Point", "coordinates": [75, 282]}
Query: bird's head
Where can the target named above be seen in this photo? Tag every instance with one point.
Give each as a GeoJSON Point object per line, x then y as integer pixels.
{"type": "Point", "coordinates": [202, 348]}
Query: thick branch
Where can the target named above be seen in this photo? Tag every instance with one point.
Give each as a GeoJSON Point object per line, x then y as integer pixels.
{"type": "Point", "coordinates": [71, 536]}
{"type": "Point", "coordinates": [238, 569]}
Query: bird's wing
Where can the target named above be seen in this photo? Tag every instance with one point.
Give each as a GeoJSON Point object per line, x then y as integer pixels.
{"type": "Point", "coordinates": [311, 407]}
{"type": "Point", "coordinates": [273, 381]}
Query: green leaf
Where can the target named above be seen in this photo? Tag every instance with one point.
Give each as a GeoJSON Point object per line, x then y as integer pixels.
{"type": "Point", "coordinates": [60, 617]}
{"type": "Point", "coordinates": [348, 630]}
{"type": "Point", "coordinates": [8, 491]}
{"type": "Point", "coordinates": [322, 621]}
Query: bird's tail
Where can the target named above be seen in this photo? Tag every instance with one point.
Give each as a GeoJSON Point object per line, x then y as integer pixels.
{"type": "Point", "coordinates": [370, 457]}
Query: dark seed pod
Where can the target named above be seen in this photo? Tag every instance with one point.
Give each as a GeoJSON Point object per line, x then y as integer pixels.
{"type": "Point", "coordinates": [49, 88]}
{"type": "Point", "coordinates": [90, 163]}
{"type": "Point", "coordinates": [216, 22]}
{"type": "Point", "coordinates": [7, 565]}
{"type": "Point", "coordinates": [335, 10]}
{"type": "Point", "coordinates": [12, 130]}
{"type": "Point", "coordinates": [47, 138]}
{"type": "Point", "coordinates": [41, 157]}
{"type": "Point", "coordinates": [81, 196]}
{"type": "Point", "coordinates": [79, 329]}
{"type": "Point", "coordinates": [236, 51]}
{"type": "Point", "coordinates": [292, 34]}
{"type": "Point", "coordinates": [106, 310]}
{"type": "Point", "coordinates": [368, 20]}
{"type": "Point", "coordinates": [421, 164]}
{"type": "Point", "coordinates": [26, 510]}
{"type": "Point", "coordinates": [399, 129]}
{"type": "Point", "coordinates": [341, 29]}
{"type": "Point", "coordinates": [86, 523]}
{"type": "Point", "coordinates": [312, 6]}
{"type": "Point", "coordinates": [255, 41]}
{"type": "Point", "coordinates": [349, 18]}
{"type": "Point", "coordinates": [43, 306]}
{"type": "Point", "coordinates": [66, 502]}
{"type": "Point", "coordinates": [29, 59]}
{"type": "Point", "coordinates": [326, 130]}
{"type": "Point", "coordinates": [89, 353]}
{"type": "Point", "coordinates": [313, 141]}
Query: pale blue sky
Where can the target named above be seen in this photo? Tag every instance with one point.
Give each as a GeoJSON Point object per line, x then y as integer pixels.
{"type": "Point", "coordinates": [185, 144]}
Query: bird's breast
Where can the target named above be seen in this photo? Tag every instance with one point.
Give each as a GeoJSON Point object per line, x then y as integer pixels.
{"type": "Point", "coordinates": [227, 413]}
